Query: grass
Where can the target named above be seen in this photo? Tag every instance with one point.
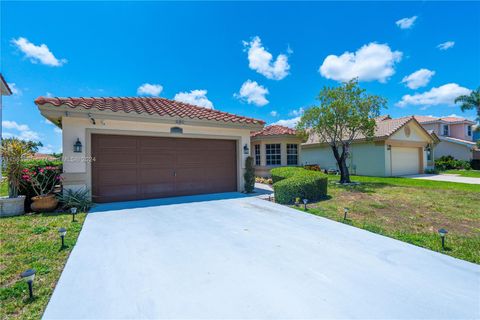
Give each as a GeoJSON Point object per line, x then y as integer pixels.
{"type": "Point", "coordinates": [32, 241]}
{"type": "Point", "coordinates": [465, 173]}
{"type": "Point", "coordinates": [410, 210]}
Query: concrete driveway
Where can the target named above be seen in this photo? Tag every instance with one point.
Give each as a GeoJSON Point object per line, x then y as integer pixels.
{"type": "Point", "coordinates": [445, 177]}
{"type": "Point", "coordinates": [231, 256]}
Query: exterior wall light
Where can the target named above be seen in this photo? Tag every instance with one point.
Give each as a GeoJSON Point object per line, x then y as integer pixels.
{"type": "Point", "coordinates": [77, 146]}
{"type": "Point", "coordinates": [246, 150]}
{"type": "Point", "coordinates": [62, 232]}
{"type": "Point", "coordinates": [345, 212]}
{"type": "Point", "coordinates": [73, 211]}
{"type": "Point", "coordinates": [442, 232]}
{"type": "Point", "coordinates": [28, 276]}
{"type": "Point", "coordinates": [305, 201]}
{"type": "Point", "coordinates": [389, 147]}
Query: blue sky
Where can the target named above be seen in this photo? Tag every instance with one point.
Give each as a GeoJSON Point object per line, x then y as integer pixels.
{"type": "Point", "coordinates": [259, 59]}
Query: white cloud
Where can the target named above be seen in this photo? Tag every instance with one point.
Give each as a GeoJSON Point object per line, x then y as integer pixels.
{"type": "Point", "coordinates": [406, 23]}
{"type": "Point", "coordinates": [195, 97]}
{"type": "Point", "coordinates": [446, 45]}
{"type": "Point", "coordinates": [55, 128]}
{"type": "Point", "coordinates": [262, 61]}
{"type": "Point", "coordinates": [273, 113]}
{"type": "Point", "coordinates": [291, 123]}
{"type": "Point", "coordinates": [253, 93]}
{"type": "Point", "coordinates": [150, 89]}
{"type": "Point", "coordinates": [419, 78]}
{"type": "Point", "coordinates": [369, 63]}
{"type": "Point", "coordinates": [445, 95]}
{"type": "Point", "coordinates": [13, 125]}
{"type": "Point", "coordinates": [297, 112]}
{"type": "Point", "coordinates": [22, 131]}
{"type": "Point", "coordinates": [15, 90]}
{"type": "Point", "coordinates": [39, 53]}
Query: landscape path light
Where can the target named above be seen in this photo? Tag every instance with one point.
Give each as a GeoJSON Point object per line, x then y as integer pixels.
{"type": "Point", "coordinates": [442, 232]}
{"type": "Point", "coordinates": [305, 201]}
{"type": "Point", "coordinates": [28, 276]}
{"type": "Point", "coordinates": [73, 210]}
{"type": "Point", "coordinates": [345, 212]}
{"type": "Point", "coordinates": [62, 232]}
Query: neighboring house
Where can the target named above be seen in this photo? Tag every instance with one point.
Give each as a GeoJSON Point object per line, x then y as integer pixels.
{"type": "Point", "coordinates": [4, 91]}
{"type": "Point", "coordinates": [274, 146]}
{"type": "Point", "coordinates": [456, 136]}
{"type": "Point", "coordinates": [399, 147]}
{"type": "Point", "coordinates": [43, 156]}
{"type": "Point", "coordinates": [139, 148]}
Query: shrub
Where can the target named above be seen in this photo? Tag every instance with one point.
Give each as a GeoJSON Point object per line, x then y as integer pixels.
{"type": "Point", "coordinates": [475, 163]}
{"type": "Point", "coordinates": [79, 199]}
{"type": "Point", "coordinates": [313, 167]}
{"type": "Point", "coordinates": [249, 175]}
{"type": "Point", "coordinates": [263, 180]}
{"type": "Point", "coordinates": [284, 173]}
{"type": "Point", "coordinates": [449, 162]}
{"type": "Point", "coordinates": [35, 166]}
{"type": "Point", "coordinates": [13, 151]}
{"type": "Point", "coordinates": [293, 182]}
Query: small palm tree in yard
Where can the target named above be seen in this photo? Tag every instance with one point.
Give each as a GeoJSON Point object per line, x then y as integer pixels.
{"type": "Point", "coordinates": [14, 151]}
{"type": "Point", "coordinates": [471, 101]}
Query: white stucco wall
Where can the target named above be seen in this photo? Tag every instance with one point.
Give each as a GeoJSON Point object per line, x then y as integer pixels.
{"type": "Point", "coordinates": [458, 151]}
{"type": "Point", "coordinates": [365, 158]}
{"type": "Point", "coordinates": [77, 171]}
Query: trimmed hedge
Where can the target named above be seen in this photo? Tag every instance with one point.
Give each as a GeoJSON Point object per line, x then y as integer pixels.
{"type": "Point", "coordinates": [290, 183]}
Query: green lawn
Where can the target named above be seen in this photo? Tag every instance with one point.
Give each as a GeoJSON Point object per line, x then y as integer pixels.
{"type": "Point", "coordinates": [410, 210]}
{"type": "Point", "coordinates": [464, 173]}
{"type": "Point", "coordinates": [32, 241]}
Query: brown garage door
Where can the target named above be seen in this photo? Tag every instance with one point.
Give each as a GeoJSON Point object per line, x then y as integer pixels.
{"type": "Point", "coordinates": [135, 167]}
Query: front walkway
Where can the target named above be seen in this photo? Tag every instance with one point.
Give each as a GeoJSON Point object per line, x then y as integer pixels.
{"type": "Point", "coordinates": [230, 256]}
{"type": "Point", "coordinates": [445, 177]}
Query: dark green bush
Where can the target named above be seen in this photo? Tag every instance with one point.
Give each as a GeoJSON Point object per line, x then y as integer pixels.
{"type": "Point", "coordinates": [249, 175]}
{"type": "Point", "coordinates": [449, 162]}
{"type": "Point", "coordinates": [294, 182]}
{"type": "Point", "coordinates": [475, 164]}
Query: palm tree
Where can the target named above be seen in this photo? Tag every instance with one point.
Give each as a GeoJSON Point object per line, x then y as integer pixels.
{"type": "Point", "coordinates": [471, 101]}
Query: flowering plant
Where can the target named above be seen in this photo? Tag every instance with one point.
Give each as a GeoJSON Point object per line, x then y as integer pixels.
{"type": "Point", "coordinates": [42, 179]}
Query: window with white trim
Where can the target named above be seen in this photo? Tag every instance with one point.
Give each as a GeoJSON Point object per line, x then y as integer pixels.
{"type": "Point", "coordinates": [469, 131]}
{"type": "Point", "coordinates": [292, 154]}
{"type": "Point", "coordinates": [257, 154]}
{"type": "Point", "coordinates": [273, 154]}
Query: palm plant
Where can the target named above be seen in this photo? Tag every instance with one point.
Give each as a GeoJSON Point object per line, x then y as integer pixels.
{"type": "Point", "coordinates": [471, 101]}
{"type": "Point", "coordinates": [14, 151]}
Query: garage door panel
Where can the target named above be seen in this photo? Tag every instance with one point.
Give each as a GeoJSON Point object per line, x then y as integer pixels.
{"type": "Point", "coordinates": [405, 161]}
{"type": "Point", "coordinates": [118, 176]}
{"type": "Point", "coordinates": [136, 167]}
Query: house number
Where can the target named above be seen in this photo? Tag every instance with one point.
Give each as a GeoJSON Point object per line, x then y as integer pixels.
{"type": "Point", "coordinates": [179, 122]}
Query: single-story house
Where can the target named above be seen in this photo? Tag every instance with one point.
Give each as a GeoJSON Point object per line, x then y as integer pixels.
{"type": "Point", "coordinates": [274, 146]}
{"type": "Point", "coordinates": [4, 91]}
{"type": "Point", "coordinates": [399, 147]}
{"type": "Point", "coordinates": [139, 148]}
{"type": "Point", "coordinates": [455, 134]}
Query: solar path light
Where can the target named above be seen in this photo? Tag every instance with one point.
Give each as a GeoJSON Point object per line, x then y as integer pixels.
{"type": "Point", "coordinates": [29, 276]}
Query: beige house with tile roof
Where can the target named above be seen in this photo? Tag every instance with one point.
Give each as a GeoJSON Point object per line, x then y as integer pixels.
{"type": "Point", "coordinates": [138, 148]}
{"type": "Point", "coordinates": [274, 146]}
{"type": "Point", "coordinates": [399, 147]}
{"type": "Point", "coordinates": [455, 134]}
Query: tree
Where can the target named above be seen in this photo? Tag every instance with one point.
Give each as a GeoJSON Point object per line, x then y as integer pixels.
{"type": "Point", "coordinates": [13, 152]}
{"type": "Point", "coordinates": [344, 114]}
{"type": "Point", "coordinates": [471, 101]}
{"type": "Point", "coordinates": [249, 175]}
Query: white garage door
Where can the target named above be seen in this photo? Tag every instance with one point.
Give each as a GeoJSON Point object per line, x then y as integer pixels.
{"type": "Point", "coordinates": [405, 161]}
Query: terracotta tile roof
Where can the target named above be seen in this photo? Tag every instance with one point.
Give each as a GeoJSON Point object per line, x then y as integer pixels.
{"type": "Point", "coordinates": [151, 106]}
{"type": "Point", "coordinates": [274, 130]}
{"type": "Point", "coordinates": [428, 119]}
{"type": "Point", "coordinates": [385, 128]}
{"type": "Point", "coordinates": [43, 156]}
